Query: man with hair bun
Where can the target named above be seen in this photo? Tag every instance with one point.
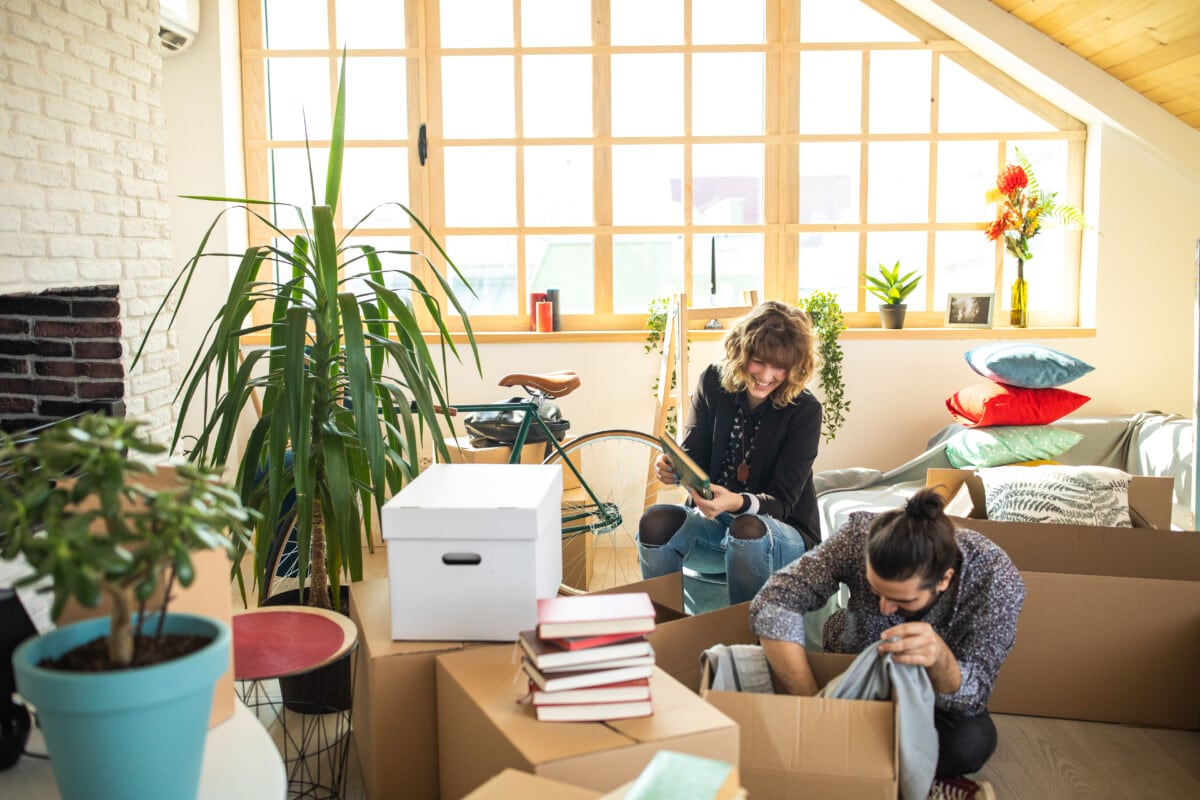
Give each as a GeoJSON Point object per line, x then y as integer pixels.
{"type": "Point", "coordinates": [929, 594]}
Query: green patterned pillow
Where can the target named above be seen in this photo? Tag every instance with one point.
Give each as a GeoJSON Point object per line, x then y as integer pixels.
{"type": "Point", "coordinates": [1008, 444]}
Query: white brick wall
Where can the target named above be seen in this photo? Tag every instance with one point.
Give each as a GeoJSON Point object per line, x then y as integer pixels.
{"type": "Point", "coordinates": [83, 169]}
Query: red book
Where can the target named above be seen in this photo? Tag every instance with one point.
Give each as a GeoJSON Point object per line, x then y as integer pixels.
{"type": "Point", "coordinates": [584, 678]}
{"type": "Point", "coordinates": [584, 642]}
{"type": "Point", "coordinates": [624, 692]}
{"type": "Point", "coordinates": [595, 615]}
{"type": "Point", "coordinates": [545, 656]}
{"type": "Point", "coordinates": [595, 712]}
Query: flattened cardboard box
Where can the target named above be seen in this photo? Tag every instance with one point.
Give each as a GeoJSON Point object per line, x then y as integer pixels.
{"type": "Point", "coordinates": [679, 639]}
{"type": "Point", "coordinates": [483, 729]}
{"type": "Point", "coordinates": [512, 783]}
{"type": "Point", "coordinates": [1110, 629]}
{"type": "Point", "coordinates": [797, 748]}
{"type": "Point", "coordinates": [395, 713]}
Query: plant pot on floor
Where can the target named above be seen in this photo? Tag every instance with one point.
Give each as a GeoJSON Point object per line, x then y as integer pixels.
{"type": "Point", "coordinates": [892, 316]}
{"type": "Point", "coordinates": [134, 734]}
{"type": "Point", "coordinates": [324, 690]}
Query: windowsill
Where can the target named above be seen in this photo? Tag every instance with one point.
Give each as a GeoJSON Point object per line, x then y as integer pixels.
{"type": "Point", "coordinates": [869, 334]}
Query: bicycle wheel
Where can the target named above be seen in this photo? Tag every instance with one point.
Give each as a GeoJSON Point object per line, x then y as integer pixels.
{"type": "Point", "coordinates": [600, 540]}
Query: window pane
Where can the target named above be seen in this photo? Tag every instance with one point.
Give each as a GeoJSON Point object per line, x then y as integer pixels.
{"type": "Point", "coordinates": [847, 21]}
{"type": "Point", "coordinates": [647, 22]}
{"type": "Point", "coordinates": [372, 176]}
{"type": "Point", "coordinates": [727, 184]}
{"type": "Point", "coordinates": [647, 95]}
{"type": "Point", "coordinates": [830, 92]}
{"type": "Point", "coordinates": [296, 24]}
{"type": "Point", "coordinates": [566, 263]}
{"type": "Point", "coordinates": [907, 247]}
{"type": "Point", "coordinates": [1046, 291]}
{"type": "Point", "coordinates": [645, 266]}
{"type": "Point", "coordinates": [476, 23]}
{"type": "Point", "coordinates": [489, 263]}
{"type": "Point", "coordinates": [556, 23]}
{"type": "Point", "coordinates": [900, 87]}
{"type": "Point", "coordinates": [353, 263]}
{"type": "Point", "coordinates": [898, 174]}
{"type": "Point", "coordinates": [647, 184]}
{"type": "Point", "coordinates": [481, 187]}
{"type": "Point", "coordinates": [966, 170]}
{"type": "Point", "coordinates": [371, 23]}
{"type": "Point", "coordinates": [829, 263]}
{"type": "Point", "coordinates": [728, 22]}
{"type": "Point", "coordinates": [963, 262]}
{"type": "Point", "coordinates": [829, 181]}
{"type": "Point", "coordinates": [1049, 162]}
{"type": "Point", "coordinates": [737, 266]}
{"type": "Point", "coordinates": [557, 96]}
{"type": "Point", "coordinates": [298, 94]}
{"type": "Point", "coordinates": [727, 94]}
{"type": "Point", "coordinates": [558, 186]}
{"type": "Point", "coordinates": [290, 183]}
{"type": "Point", "coordinates": [376, 90]}
{"type": "Point", "coordinates": [968, 104]}
{"type": "Point", "coordinates": [477, 96]}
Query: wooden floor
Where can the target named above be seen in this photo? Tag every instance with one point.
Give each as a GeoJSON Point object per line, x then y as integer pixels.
{"type": "Point", "coordinates": [1037, 759]}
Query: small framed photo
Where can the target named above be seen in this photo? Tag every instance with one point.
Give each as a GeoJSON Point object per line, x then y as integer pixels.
{"type": "Point", "coordinates": [969, 310]}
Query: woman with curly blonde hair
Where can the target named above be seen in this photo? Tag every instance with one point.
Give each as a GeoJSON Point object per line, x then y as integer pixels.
{"type": "Point", "coordinates": [758, 454]}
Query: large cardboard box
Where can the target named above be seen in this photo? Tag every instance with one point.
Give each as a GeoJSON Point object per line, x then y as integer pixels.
{"type": "Point", "coordinates": [794, 748]}
{"type": "Point", "coordinates": [463, 452]}
{"type": "Point", "coordinates": [1110, 629]}
{"type": "Point", "coordinates": [512, 783]}
{"type": "Point", "coordinates": [483, 728]}
{"type": "Point", "coordinates": [395, 708]}
{"type": "Point", "coordinates": [473, 546]}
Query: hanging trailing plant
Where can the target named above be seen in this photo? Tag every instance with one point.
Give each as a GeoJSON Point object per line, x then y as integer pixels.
{"type": "Point", "coordinates": [656, 326]}
{"type": "Point", "coordinates": [828, 323]}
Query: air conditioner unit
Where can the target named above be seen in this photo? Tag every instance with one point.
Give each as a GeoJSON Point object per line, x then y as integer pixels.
{"type": "Point", "coordinates": [178, 24]}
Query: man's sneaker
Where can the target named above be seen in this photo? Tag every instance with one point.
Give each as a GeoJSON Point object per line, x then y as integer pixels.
{"type": "Point", "coordinates": [960, 789]}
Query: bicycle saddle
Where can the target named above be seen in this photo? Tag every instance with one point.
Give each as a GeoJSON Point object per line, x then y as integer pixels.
{"type": "Point", "coordinates": [551, 384]}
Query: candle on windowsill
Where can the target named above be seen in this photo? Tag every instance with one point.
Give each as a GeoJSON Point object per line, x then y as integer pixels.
{"type": "Point", "coordinates": [545, 317]}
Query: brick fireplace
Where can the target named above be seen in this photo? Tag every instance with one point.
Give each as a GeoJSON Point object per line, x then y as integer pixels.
{"type": "Point", "coordinates": [60, 355]}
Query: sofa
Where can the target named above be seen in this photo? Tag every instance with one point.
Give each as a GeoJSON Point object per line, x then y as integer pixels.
{"type": "Point", "coordinates": [1147, 443]}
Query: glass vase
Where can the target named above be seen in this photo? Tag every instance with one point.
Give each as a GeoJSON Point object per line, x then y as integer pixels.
{"type": "Point", "coordinates": [1019, 316]}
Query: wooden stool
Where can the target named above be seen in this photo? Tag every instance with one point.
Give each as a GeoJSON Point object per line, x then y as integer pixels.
{"type": "Point", "coordinates": [310, 652]}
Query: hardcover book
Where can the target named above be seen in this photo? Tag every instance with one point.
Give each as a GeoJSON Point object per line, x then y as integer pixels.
{"type": "Point", "coordinates": [594, 615]}
{"type": "Point", "coordinates": [624, 692]}
{"type": "Point", "coordinates": [546, 656]}
{"type": "Point", "coordinates": [582, 679]}
{"type": "Point", "coordinates": [595, 712]}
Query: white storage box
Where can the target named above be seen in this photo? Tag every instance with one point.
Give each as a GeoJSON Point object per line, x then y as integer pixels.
{"type": "Point", "coordinates": [471, 547]}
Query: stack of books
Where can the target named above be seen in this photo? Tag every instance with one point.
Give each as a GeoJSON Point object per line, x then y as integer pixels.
{"type": "Point", "coordinates": [589, 659]}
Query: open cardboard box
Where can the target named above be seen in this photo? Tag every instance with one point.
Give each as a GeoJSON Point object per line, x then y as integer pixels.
{"type": "Point", "coordinates": [483, 728]}
{"type": "Point", "coordinates": [512, 783]}
{"type": "Point", "coordinates": [395, 708]}
{"type": "Point", "coordinates": [1110, 629]}
{"type": "Point", "coordinates": [794, 748]}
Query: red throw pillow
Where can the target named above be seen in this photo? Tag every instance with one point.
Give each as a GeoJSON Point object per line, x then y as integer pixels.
{"type": "Point", "coordinates": [990, 403]}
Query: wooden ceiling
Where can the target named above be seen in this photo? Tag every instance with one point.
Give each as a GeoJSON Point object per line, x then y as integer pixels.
{"type": "Point", "coordinates": [1153, 46]}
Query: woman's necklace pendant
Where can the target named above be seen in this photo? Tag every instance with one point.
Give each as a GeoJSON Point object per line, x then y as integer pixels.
{"type": "Point", "coordinates": [743, 472]}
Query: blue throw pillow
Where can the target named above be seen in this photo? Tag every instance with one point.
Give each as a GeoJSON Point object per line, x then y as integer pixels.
{"type": "Point", "coordinates": [1031, 366]}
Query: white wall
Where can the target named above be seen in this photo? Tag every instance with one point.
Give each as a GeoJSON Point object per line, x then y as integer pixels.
{"type": "Point", "coordinates": [1144, 197]}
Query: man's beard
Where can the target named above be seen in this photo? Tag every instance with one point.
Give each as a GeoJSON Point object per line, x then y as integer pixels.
{"type": "Point", "coordinates": [918, 614]}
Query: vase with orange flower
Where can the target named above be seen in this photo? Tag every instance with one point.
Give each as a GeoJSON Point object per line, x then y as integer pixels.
{"type": "Point", "coordinates": [1021, 208]}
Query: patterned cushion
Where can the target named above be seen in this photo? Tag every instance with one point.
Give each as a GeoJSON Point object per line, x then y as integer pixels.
{"type": "Point", "coordinates": [1058, 495]}
{"type": "Point", "coordinates": [990, 447]}
{"type": "Point", "coordinates": [1033, 366]}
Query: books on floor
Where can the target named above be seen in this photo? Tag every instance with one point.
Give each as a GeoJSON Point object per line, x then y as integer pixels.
{"type": "Point", "coordinates": [588, 660]}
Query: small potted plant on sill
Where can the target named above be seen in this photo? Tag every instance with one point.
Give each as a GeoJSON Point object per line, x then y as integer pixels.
{"type": "Point", "coordinates": [891, 288]}
{"type": "Point", "coordinates": [81, 508]}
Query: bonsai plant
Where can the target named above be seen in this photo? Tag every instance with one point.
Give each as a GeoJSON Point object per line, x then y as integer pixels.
{"type": "Point", "coordinates": [76, 503]}
{"type": "Point", "coordinates": [891, 288]}
{"type": "Point", "coordinates": [335, 428]}
{"type": "Point", "coordinates": [828, 323]}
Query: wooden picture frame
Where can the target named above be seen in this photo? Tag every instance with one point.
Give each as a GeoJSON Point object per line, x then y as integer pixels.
{"type": "Point", "coordinates": [970, 309]}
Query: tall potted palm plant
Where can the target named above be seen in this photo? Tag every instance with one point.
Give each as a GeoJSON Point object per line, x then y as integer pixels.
{"type": "Point", "coordinates": [347, 382]}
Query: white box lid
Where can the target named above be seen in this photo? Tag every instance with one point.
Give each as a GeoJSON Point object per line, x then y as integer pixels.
{"type": "Point", "coordinates": [478, 496]}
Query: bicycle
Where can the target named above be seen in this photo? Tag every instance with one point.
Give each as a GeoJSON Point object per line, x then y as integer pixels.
{"type": "Point", "coordinates": [611, 481]}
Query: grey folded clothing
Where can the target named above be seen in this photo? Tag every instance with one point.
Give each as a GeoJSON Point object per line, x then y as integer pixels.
{"type": "Point", "coordinates": [738, 668]}
{"type": "Point", "coordinates": [872, 676]}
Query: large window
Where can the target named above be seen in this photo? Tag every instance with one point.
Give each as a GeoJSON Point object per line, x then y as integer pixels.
{"type": "Point", "coordinates": [622, 150]}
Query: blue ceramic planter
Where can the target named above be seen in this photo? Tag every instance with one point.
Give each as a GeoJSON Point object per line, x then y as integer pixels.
{"type": "Point", "coordinates": [135, 734]}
